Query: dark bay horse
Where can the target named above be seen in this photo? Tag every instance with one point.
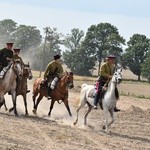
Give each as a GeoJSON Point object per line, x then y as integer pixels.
{"type": "Point", "coordinates": [22, 85]}
{"type": "Point", "coordinates": [8, 83]}
{"type": "Point", "coordinates": [59, 93]}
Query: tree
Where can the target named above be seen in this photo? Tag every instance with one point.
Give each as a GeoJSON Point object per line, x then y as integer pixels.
{"type": "Point", "coordinates": [135, 54]}
{"type": "Point", "coordinates": [145, 67]}
{"type": "Point", "coordinates": [7, 27]}
{"type": "Point", "coordinates": [75, 56]}
{"type": "Point", "coordinates": [48, 49]}
{"type": "Point", "coordinates": [72, 43]}
{"type": "Point", "coordinates": [103, 39]}
{"type": "Point", "coordinates": [27, 38]}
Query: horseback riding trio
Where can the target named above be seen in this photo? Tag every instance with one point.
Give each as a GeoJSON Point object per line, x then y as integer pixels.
{"type": "Point", "coordinates": [54, 71]}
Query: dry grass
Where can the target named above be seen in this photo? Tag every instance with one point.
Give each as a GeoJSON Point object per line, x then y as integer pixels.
{"type": "Point", "coordinates": [129, 87]}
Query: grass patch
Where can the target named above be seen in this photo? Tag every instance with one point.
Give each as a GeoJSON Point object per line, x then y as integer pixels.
{"type": "Point", "coordinates": [132, 88]}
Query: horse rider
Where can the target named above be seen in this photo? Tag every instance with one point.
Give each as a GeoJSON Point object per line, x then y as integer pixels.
{"type": "Point", "coordinates": [16, 56]}
{"type": "Point", "coordinates": [16, 52]}
{"type": "Point", "coordinates": [105, 75]}
{"type": "Point", "coordinates": [53, 71]}
{"type": "Point", "coordinates": [6, 55]}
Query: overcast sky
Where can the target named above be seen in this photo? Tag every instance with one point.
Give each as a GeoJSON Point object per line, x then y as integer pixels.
{"type": "Point", "coordinates": [129, 16]}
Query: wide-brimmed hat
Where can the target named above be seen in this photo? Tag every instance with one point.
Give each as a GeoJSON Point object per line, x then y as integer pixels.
{"type": "Point", "coordinates": [10, 44]}
{"type": "Point", "coordinates": [111, 57]}
{"type": "Point", "coordinates": [16, 50]}
{"type": "Point", "coordinates": [57, 57]}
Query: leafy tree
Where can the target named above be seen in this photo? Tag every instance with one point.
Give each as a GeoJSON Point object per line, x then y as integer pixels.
{"type": "Point", "coordinates": [27, 38]}
{"type": "Point", "coordinates": [72, 43]}
{"type": "Point", "coordinates": [103, 39]}
{"type": "Point", "coordinates": [145, 68]}
{"type": "Point", "coordinates": [48, 49]}
{"type": "Point", "coordinates": [135, 54]}
{"type": "Point", "coordinates": [7, 27]}
{"type": "Point", "coordinates": [75, 56]}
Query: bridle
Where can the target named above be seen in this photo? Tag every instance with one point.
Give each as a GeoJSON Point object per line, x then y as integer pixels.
{"type": "Point", "coordinates": [67, 84]}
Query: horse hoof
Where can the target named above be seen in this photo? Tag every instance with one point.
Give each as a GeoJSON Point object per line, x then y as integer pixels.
{"type": "Point", "coordinates": [26, 114]}
{"type": "Point", "coordinates": [10, 110]}
{"type": "Point", "coordinates": [16, 114]}
{"type": "Point", "coordinates": [34, 111]}
{"type": "Point", "coordinates": [104, 127]}
{"type": "Point", "coordinates": [74, 123]}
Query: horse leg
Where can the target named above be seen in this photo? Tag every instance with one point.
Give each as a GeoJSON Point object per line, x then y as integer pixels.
{"type": "Point", "coordinates": [67, 106]}
{"type": "Point", "coordinates": [51, 107]}
{"type": "Point", "coordinates": [105, 125]}
{"type": "Point", "coordinates": [37, 103]}
{"type": "Point", "coordinates": [25, 103]}
{"type": "Point", "coordinates": [5, 105]}
{"type": "Point", "coordinates": [112, 117]}
{"type": "Point", "coordinates": [11, 109]}
{"type": "Point", "coordinates": [34, 98]}
{"type": "Point", "coordinates": [2, 102]}
{"type": "Point", "coordinates": [81, 104]}
{"type": "Point", "coordinates": [89, 110]}
{"type": "Point", "coordinates": [14, 99]}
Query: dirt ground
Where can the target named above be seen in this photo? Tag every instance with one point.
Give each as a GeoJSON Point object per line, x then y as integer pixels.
{"type": "Point", "coordinates": [130, 131]}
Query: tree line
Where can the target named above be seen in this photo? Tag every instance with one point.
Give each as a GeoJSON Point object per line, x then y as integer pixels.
{"type": "Point", "coordinates": [80, 51]}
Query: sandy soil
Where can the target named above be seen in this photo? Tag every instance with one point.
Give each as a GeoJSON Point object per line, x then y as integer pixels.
{"type": "Point", "coordinates": [130, 131]}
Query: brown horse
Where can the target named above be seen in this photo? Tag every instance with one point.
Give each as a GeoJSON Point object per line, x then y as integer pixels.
{"type": "Point", "coordinates": [22, 85]}
{"type": "Point", "coordinates": [59, 93]}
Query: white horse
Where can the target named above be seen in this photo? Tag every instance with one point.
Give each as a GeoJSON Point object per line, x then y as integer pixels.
{"type": "Point", "coordinates": [108, 101]}
{"type": "Point", "coordinates": [8, 83]}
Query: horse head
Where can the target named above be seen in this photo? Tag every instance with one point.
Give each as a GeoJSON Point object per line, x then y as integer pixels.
{"type": "Point", "coordinates": [68, 79]}
{"type": "Point", "coordinates": [17, 67]}
{"type": "Point", "coordinates": [117, 77]}
{"type": "Point", "coordinates": [27, 71]}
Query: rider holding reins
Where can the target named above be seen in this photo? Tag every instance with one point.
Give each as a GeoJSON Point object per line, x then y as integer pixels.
{"type": "Point", "coordinates": [52, 73]}
{"type": "Point", "coordinates": [105, 75]}
{"type": "Point", "coordinates": [6, 55]}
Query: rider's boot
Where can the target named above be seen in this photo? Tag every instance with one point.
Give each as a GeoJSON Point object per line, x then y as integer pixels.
{"type": "Point", "coordinates": [49, 93]}
{"type": "Point", "coordinates": [96, 98]}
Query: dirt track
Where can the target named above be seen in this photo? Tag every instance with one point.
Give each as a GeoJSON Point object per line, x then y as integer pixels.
{"type": "Point", "coordinates": [130, 131]}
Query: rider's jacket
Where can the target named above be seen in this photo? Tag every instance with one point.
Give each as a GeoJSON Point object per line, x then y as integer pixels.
{"type": "Point", "coordinates": [4, 53]}
{"type": "Point", "coordinates": [53, 68]}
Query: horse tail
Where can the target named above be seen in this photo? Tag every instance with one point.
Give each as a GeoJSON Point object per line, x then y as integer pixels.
{"type": "Point", "coordinates": [116, 93]}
